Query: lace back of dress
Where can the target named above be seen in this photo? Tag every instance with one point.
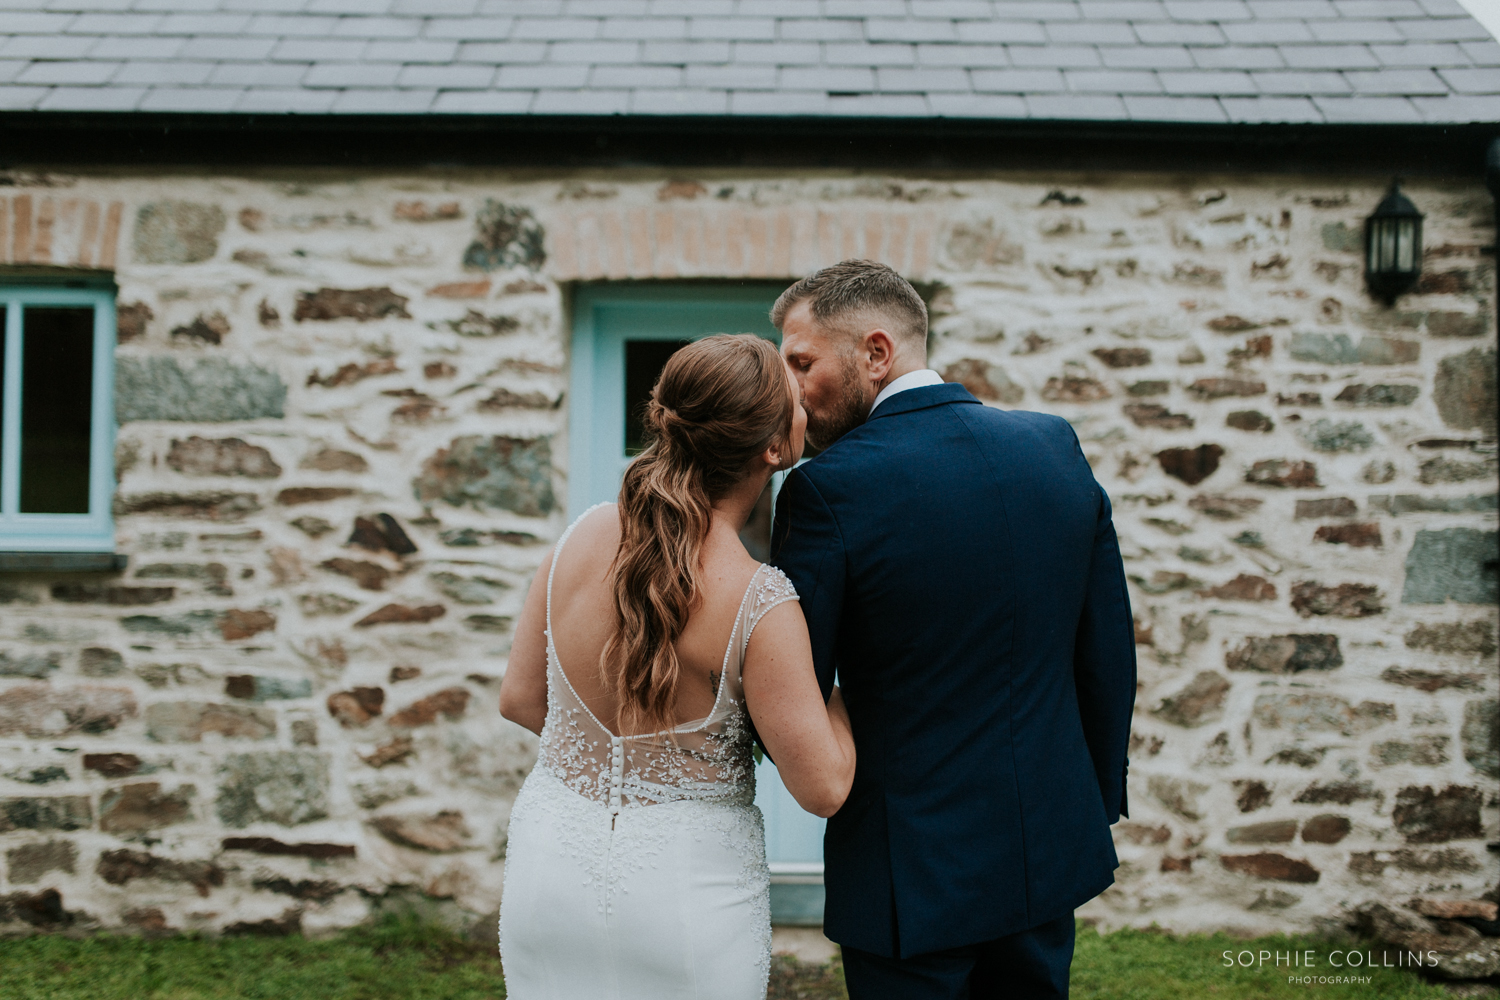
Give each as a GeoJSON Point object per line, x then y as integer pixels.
{"type": "Point", "coordinates": [709, 759]}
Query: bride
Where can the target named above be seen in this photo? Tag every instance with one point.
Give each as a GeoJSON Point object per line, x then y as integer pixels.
{"type": "Point", "coordinates": [636, 860]}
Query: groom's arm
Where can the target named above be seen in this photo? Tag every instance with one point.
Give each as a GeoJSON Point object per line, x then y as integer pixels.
{"type": "Point", "coordinates": [1104, 663]}
{"type": "Point", "coordinates": [807, 546]}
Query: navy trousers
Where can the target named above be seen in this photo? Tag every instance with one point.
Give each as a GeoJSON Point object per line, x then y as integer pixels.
{"type": "Point", "coordinates": [1030, 965]}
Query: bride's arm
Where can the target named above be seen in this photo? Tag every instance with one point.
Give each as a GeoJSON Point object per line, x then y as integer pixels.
{"type": "Point", "coordinates": [523, 691]}
{"type": "Point", "coordinates": [811, 742]}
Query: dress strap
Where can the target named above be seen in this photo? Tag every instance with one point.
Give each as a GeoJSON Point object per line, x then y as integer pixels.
{"type": "Point", "coordinates": [557, 554]}
{"type": "Point", "coordinates": [768, 588]}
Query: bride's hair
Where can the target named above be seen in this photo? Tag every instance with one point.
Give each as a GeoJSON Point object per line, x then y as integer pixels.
{"type": "Point", "coordinates": [719, 403]}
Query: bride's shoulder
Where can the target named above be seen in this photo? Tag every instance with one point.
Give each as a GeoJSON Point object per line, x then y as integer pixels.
{"type": "Point", "coordinates": [772, 586]}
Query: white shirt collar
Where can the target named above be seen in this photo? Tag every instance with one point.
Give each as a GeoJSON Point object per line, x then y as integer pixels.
{"type": "Point", "coordinates": [911, 380]}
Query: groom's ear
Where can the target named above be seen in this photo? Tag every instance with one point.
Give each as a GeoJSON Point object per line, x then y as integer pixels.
{"type": "Point", "coordinates": [879, 350]}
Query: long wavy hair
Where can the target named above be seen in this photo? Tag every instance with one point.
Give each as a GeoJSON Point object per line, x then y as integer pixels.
{"type": "Point", "coordinates": [719, 403]}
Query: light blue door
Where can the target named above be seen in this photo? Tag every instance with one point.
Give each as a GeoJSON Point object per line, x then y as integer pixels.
{"type": "Point", "coordinates": [622, 335]}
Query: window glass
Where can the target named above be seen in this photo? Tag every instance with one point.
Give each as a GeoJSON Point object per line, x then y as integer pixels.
{"type": "Point", "coordinates": [56, 402]}
{"type": "Point", "coordinates": [644, 360]}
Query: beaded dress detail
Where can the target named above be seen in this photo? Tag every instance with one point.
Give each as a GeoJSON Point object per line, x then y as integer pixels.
{"type": "Point", "coordinates": [636, 864]}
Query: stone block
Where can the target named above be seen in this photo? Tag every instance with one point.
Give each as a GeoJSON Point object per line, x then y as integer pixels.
{"type": "Point", "coordinates": [473, 537]}
{"type": "Point", "coordinates": [1388, 351]}
{"type": "Point", "coordinates": [1465, 390]}
{"type": "Point", "coordinates": [252, 687]}
{"type": "Point", "coordinates": [1270, 865]}
{"type": "Point", "coordinates": [314, 605]}
{"type": "Point", "coordinates": [1430, 680]}
{"type": "Point", "coordinates": [103, 593]}
{"type": "Point", "coordinates": [235, 624]}
{"type": "Point", "coordinates": [1191, 465]}
{"type": "Point", "coordinates": [67, 812]}
{"type": "Point", "coordinates": [284, 787]}
{"type": "Point", "coordinates": [1480, 736]}
{"type": "Point", "coordinates": [476, 324]}
{"type": "Point", "coordinates": [112, 765]}
{"type": "Point", "coordinates": [187, 624]}
{"type": "Point", "coordinates": [334, 460]}
{"type": "Point", "coordinates": [1224, 508]}
{"type": "Point", "coordinates": [1426, 750]}
{"type": "Point", "coordinates": [1327, 828]}
{"type": "Point", "coordinates": [1456, 909]}
{"type": "Point", "coordinates": [1250, 420]}
{"type": "Point", "coordinates": [1456, 324]}
{"type": "Point", "coordinates": [1074, 389]}
{"type": "Point", "coordinates": [440, 833]}
{"type": "Point", "coordinates": [1284, 474]}
{"type": "Point", "coordinates": [177, 232]}
{"type": "Point", "coordinates": [1336, 436]}
{"type": "Point", "coordinates": [382, 533]}
{"type": "Point", "coordinates": [490, 472]}
{"type": "Point", "coordinates": [219, 505]}
{"type": "Point", "coordinates": [97, 661]}
{"type": "Point", "coordinates": [1455, 564]}
{"type": "Point", "coordinates": [1253, 795]}
{"type": "Point", "coordinates": [1339, 792]}
{"type": "Point", "coordinates": [348, 374]}
{"type": "Point", "coordinates": [320, 890]}
{"type": "Point", "coordinates": [1149, 387]}
{"type": "Point", "coordinates": [1316, 711]}
{"type": "Point", "coordinates": [38, 666]}
{"type": "Point", "coordinates": [1326, 507]}
{"type": "Point", "coordinates": [1244, 587]}
{"type": "Point", "coordinates": [1123, 357]}
{"type": "Point", "coordinates": [506, 399]}
{"type": "Point", "coordinates": [498, 624]}
{"type": "Point", "coordinates": [469, 589]}
{"type": "Point", "coordinates": [1447, 470]}
{"type": "Point", "coordinates": [207, 390]}
{"type": "Point", "coordinates": [38, 711]}
{"type": "Point", "coordinates": [368, 575]}
{"type": "Point", "coordinates": [131, 321]}
{"type": "Point", "coordinates": [1378, 395]}
{"type": "Point", "coordinates": [984, 380]}
{"type": "Point", "coordinates": [356, 707]}
{"type": "Point", "coordinates": [205, 329]}
{"type": "Point", "coordinates": [124, 866]}
{"type": "Point", "coordinates": [42, 910]}
{"type": "Point", "coordinates": [1406, 503]}
{"type": "Point", "coordinates": [289, 924]}
{"type": "Point", "coordinates": [143, 806]}
{"type": "Point", "coordinates": [1178, 795]}
{"type": "Point", "coordinates": [294, 495]}
{"type": "Point", "coordinates": [273, 847]}
{"type": "Point", "coordinates": [1219, 388]}
{"type": "Point", "coordinates": [1286, 654]}
{"type": "Point", "coordinates": [1357, 536]}
{"type": "Point", "coordinates": [1423, 816]}
{"type": "Point", "coordinates": [188, 721]}
{"type": "Point", "coordinates": [198, 456]}
{"type": "Point", "coordinates": [391, 752]}
{"type": "Point", "coordinates": [360, 304]}
{"type": "Point", "coordinates": [1276, 831]}
{"type": "Point", "coordinates": [1156, 415]}
{"type": "Point", "coordinates": [1475, 638]}
{"type": "Point", "coordinates": [505, 236]}
{"type": "Point", "coordinates": [25, 865]}
{"type": "Point", "coordinates": [451, 702]}
{"type": "Point", "coordinates": [402, 614]}
{"type": "Point", "coordinates": [1346, 600]}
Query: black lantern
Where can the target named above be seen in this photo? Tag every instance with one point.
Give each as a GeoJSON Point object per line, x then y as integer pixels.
{"type": "Point", "coordinates": [1393, 245]}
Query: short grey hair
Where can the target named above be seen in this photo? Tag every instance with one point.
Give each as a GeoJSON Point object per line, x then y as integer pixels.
{"type": "Point", "coordinates": [853, 286]}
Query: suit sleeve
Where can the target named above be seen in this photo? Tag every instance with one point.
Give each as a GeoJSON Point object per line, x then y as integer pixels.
{"type": "Point", "coordinates": [807, 546]}
{"type": "Point", "coordinates": [1104, 663]}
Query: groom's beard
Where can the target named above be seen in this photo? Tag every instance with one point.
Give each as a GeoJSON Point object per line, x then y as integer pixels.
{"type": "Point", "coordinates": [846, 412]}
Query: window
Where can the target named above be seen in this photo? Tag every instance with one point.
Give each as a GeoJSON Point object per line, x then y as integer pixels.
{"type": "Point", "coordinates": [56, 421]}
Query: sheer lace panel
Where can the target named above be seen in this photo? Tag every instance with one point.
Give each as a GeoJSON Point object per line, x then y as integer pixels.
{"type": "Point", "coordinates": [710, 759]}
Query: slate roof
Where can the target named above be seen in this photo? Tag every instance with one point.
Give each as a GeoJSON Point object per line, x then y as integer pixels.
{"type": "Point", "coordinates": [1203, 61]}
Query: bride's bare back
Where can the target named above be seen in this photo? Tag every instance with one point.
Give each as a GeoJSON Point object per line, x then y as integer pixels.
{"type": "Point", "coordinates": [583, 598]}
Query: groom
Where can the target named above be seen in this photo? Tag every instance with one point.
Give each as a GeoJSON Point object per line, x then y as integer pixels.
{"type": "Point", "coordinates": [959, 572]}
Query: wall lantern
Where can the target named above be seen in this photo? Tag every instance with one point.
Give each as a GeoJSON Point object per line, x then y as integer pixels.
{"type": "Point", "coordinates": [1393, 246]}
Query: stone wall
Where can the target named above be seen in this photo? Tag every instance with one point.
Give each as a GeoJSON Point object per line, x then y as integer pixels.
{"type": "Point", "coordinates": [341, 458]}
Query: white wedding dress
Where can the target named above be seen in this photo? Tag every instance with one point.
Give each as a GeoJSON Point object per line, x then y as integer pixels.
{"type": "Point", "coordinates": [636, 865]}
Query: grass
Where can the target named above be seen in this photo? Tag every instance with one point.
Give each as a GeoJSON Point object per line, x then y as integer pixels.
{"type": "Point", "coordinates": [406, 960]}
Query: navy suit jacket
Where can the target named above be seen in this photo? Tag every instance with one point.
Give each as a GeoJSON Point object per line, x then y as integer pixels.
{"type": "Point", "coordinates": [958, 568]}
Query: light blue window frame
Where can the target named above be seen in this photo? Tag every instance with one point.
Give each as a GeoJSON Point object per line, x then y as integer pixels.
{"type": "Point", "coordinates": [604, 318]}
{"type": "Point", "coordinates": [91, 532]}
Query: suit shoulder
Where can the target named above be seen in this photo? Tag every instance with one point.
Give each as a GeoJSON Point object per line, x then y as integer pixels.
{"type": "Point", "coordinates": [1025, 421]}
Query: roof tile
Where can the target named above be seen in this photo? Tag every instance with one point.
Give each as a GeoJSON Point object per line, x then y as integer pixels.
{"type": "Point", "coordinates": [403, 101]}
{"type": "Point", "coordinates": [469, 29]}
{"type": "Point", "coordinates": [1146, 56]}
{"type": "Point", "coordinates": [1174, 109]}
{"type": "Point", "coordinates": [1209, 83]}
{"type": "Point", "coordinates": [1399, 82]}
{"type": "Point", "coordinates": [1074, 106]}
{"type": "Point", "coordinates": [1112, 81]}
{"type": "Point", "coordinates": [1260, 110]}
{"type": "Point", "coordinates": [69, 98]}
{"type": "Point", "coordinates": [1471, 81]}
{"type": "Point", "coordinates": [1008, 32]}
{"type": "Point", "coordinates": [211, 99]}
{"type": "Point", "coordinates": [1238, 57]}
{"type": "Point", "coordinates": [679, 101]}
{"type": "Point", "coordinates": [1054, 55]}
{"type": "Point", "coordinates": [1361, 109]}
{"type": "Point", "coordinates": [977, 105]}
{"type": "Point", "coordinates": [484, 102]}
{"type": "Point", "coordinates": [732, 28]}
{"type": "Point", "coordinates": [962, 55]}
{"type": "Point", "coordinates": [925, 80]}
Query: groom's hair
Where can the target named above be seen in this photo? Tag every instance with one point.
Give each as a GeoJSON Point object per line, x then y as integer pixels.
{"type": "Point", "coordinates": [855, 290]}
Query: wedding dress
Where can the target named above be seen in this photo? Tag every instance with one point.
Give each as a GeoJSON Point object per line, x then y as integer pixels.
{"type": "Point", "coordinates": [636, 865]}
